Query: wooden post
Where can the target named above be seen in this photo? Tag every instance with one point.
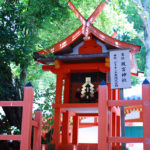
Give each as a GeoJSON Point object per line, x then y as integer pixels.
{"type": "Point", "coordinates": [146, 114]}
{"type": "Point", "coordinates": [65, 128]}
{"type": "Point", "coordinates": [57, 117]}
{"type": "Point", "coordinates": [57, 124]}
{"type": "Point", "coordinates": [67, 88]}
{"type": "Point", "coordinates": [75, 129]}
{"type": "Point", "coordinates": [113, 126]}
{"type": "Point", "coordinates": [118, 128]}
{"type": "Point", "coordinates": [122, 120]}
{"type": "Point", "coordinates": [109, 127]}
{"type": "Point", "coordinates": [110, 97]}
{"type": "Point", "coordinates": [37, 131]}
{"type": "Point", "coordinates": [59, 86]}
{"type": "Point", "coordinates": [102, 115]}
{"type": "Point", "coordinates": [26, 126]}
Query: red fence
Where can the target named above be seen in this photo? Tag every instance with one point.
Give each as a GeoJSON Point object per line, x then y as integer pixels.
{"type": "Point", "coordinates": [27, 122]}
{"type": "Point", "coordinates": [104, 140]}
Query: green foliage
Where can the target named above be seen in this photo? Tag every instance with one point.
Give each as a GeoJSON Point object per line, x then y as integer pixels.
{"type": "Point", "coordinates": [27, 26]}
{"type": "Point", "coordinates": [20, 23]}
{"type": "Point", "coordinates": [134, 80]}
{"type": "Point", "coordinates": [44, 98]}
{"type": "Point", "coordinates": [5, 126]}
{"type": "Point", "coordinates": [131, 11]}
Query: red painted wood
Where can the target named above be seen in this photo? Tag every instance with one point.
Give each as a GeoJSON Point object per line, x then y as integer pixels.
{"type": "Point", "coordinates": [95, 119]}
{"type": "Point", "coordinates": [87, 28]}
{"type": "Point", "coordinates": [117, 147]}
{"type": "Point", "coordinates": [102, 117]}
{"type": "Point", "coordinates": [67, 147]}
{"type": "Point", "coordinates": [109, 91]}
{"type": "Point", "coordinates": [88, 115]}
{"type": "Point", "coordinates": [110, 127]}
{"type": "Point", "coordinates": [76, 105]}
{"type": "Point", "coordinates": [125, 140]}
{"type": "Point", "coordinates": [49, 68]}
{"type": "Point", "coordinates": [59, 85]}
{"type": "Point", "coordinates": [113, 42]}
{"type": "Point", "coordinates": [37, 131]}
{"type": "Point", "coordinates": [113, 126]}
{"type": "Point", "coordinates": [124, 102]}
{"type": "Point", "coordinates": [10, 137]}
{"type": "Point", "coordinates": [116, 110]}
{"type": "Point", "coordinates": [74, 68]}
{"type": "Point", "coordinates": [46, 51]}
{"type": "Point", "coordinates": [67, 41]}
{"type": "Point", "coordinates": [57, 124]}
{"type": "Point", "coordinates": [114, 34]}
{"type": "Point", "coordinates": [118, 127]}
{"type": "Point", "coordinates": [97, 12]}
{"type": "Point", "coordinates": [77, 13]}
{"type": "Point", "coordinates": [67, 88]}
{"type": "Point", "coordinates": [90, 47]}
{"type": "Point", "coordinates": [27, 122]}
{"type": "Point", "coordinates": [64, 43]}
{"type": "Point", "coordinates": [12, 103]}
{"type": "Point", "coordinates": [75, 129]}
{"type": "Point", "coordinates": [65, 128]}
{"type": "Point", "coordinates": [26, 126]}
{"type": "Point", "coordinates": [146, 115]}
{"type": "Point", "coordinates": [87, 146]}
{"type": "Point", "coordinates": [84, 125]}
{"type": "Point", "coordinates": [35, 123]}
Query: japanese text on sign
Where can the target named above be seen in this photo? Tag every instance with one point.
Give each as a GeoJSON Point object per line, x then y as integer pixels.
{"type": "Point", "coordinates": [120, 69]}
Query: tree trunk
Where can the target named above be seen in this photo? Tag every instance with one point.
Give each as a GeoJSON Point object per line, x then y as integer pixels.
{"type": "Point", "coordinates": [148, 60]}
{"type": "Point", "coordinates": [10, 91]}
{"type": "Point", "coordinates": [143, 9]}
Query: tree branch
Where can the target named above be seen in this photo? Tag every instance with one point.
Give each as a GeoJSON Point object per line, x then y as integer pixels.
{"type": "Point", "coordinates": [143, 14]}
{"type": "Point", "coordinates": [140, 37]}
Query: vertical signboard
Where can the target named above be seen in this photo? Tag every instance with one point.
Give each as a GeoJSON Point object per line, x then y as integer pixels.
{"type": "Point", "coordinates": [120, 69]}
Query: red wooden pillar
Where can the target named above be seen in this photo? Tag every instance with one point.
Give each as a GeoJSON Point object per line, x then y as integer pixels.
{"type": "Point", "coordinates": [57, 124]}
{"type": "Point", "coordinates": [65, 128]}
{"type": "Point", "coordinates": [109, 114]}
{"type": "Point", "coordinates": [146, 114]}
{"type": "Point", "coordinates": [67, 88]}
{"type": "Point", "coordinates": [114, 94]}
{"type": "Point", "coordinates": [75, 129]}
{"type": "Point", "coordinates": [95, 120]}
{"type": "Point", "coordinates": [113, 126]}
{"type": "Point", "coordinates": [37, 131]}
{"type": "Point", "coordinates": [118, 127]}
{"type": "Point", "coordinates": [26, 126]}
{"type": "Point", "coordinates": [59, 86]}
{"type": "Point", "coordinates": [102, 115]}
{"type": "Point", "coordinates": [109, 91]}
{"type": "Point", "coordinates": [109, 128]}
{"type": "Point", "coordinates": [57, 117]}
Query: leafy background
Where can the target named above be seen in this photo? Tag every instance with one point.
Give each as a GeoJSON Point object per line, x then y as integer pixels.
{"type": "Point", "coordinates": [27, 26]}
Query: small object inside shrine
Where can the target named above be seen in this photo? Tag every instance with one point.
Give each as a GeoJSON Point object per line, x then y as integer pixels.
{"type": "Point", "coordinates": [87, 91]}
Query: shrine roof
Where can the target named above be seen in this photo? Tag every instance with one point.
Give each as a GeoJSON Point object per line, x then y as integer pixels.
{"type": "Point", "coordinates": [84, 31]}
{"type": "Point", "coordinates": [68, 43]}
{"type": "Point", "coordinates": [86, 44]}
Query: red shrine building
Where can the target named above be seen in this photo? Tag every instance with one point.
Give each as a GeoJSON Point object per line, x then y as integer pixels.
{"type": "Point", "coordinates": [81, 63]}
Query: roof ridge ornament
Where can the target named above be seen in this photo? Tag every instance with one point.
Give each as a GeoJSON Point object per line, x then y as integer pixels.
{"type": "Point", "coordinates": [87, 23]}
{"type": "Point", "coordinates": [87, 29]}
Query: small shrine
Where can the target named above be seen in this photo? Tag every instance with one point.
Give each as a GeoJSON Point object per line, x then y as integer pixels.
{"type": "Point", "coordinates": [81, 63]}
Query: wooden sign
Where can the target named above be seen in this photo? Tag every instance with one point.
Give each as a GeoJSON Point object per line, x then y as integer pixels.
{"type": "Point", "coordinates": [120, 74]}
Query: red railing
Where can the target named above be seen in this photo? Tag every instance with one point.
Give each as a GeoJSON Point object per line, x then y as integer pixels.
{"type": "Point", "coordinates": [103, 139]}
{"type": "Point", "coordinates": [27, 122]}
